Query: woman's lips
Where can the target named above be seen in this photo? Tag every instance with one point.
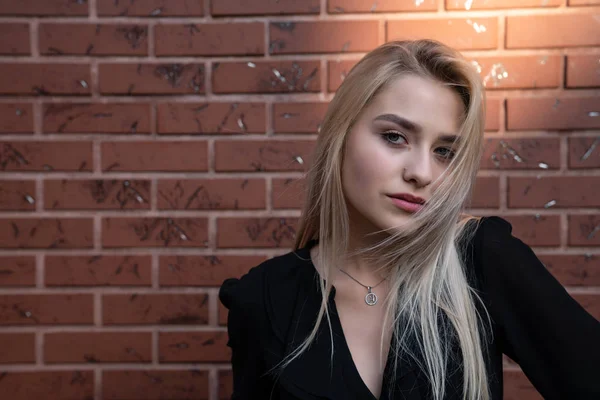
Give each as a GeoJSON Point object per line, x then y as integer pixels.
{"type": "Point", "coordinates": [406, 205]}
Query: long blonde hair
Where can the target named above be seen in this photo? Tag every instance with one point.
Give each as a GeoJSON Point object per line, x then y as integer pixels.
{"type": "Point", "coordinates": [423, 261]}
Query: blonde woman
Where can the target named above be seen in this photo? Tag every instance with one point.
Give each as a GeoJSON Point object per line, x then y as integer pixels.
{"type": "Point", "coordinates": [392, 292]}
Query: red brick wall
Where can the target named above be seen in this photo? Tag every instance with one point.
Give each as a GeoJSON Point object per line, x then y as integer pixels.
{"type": "Point", "coordinates": [150, 149]}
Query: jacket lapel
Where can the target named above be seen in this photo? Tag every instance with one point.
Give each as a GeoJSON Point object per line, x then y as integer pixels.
{"type": "Point", "coordinates": [293, 300]}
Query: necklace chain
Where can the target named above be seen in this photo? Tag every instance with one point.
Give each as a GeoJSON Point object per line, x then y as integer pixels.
{"type": "Point", "coordinates": [365, 286]}
{"type": "Point", "coordinates": [370, 298]}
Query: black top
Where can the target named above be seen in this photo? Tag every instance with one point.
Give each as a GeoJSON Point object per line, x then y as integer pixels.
{"type": "Point", "coordinates": [535, 322]}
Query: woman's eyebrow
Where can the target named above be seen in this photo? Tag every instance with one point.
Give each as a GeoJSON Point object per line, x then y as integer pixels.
{"type": "Point", "coordinates": [450, 139]}
{"type": "Point", "coordinates": [413, 126]}
{"type": "Point", "coordinates": [400, 121]}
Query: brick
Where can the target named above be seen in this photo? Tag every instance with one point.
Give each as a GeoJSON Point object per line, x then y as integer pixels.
{"type": "Point", "coordinates": [492, 114]}
{"type": "Point", "coordinates": [486, 193]}
{"type": "Point", "coordinates": [536, 230]}
{"type": "Point", "coordinates": [97, 347]}
{"type": "Point", "coordinates": [211, 118]}
{"type": "Point", "coordinates": [288, 193]}
{"type": "Point", "coordinates": [591, 303]}
{"type": "Point", "coordinates": [225, 384]}
{"type": "Point", "coordinates": [362, 6]}
{"type": "Point", "coordinates": [16, 118]}
{"type": "Point", "coordinates": [583, 71]}
{"type": "Point", "coordinates": [14, 39]}
{"type": "Point", "coordinates": [222, 314]}
{"type": "Point", "coordinates": [522, 72]}
{"type": "Point", "coordinates": [93, 39]}
{"type": "Point", "coordinates": [574, 270]}
{"type": "Point", "coordinates": [44, 8]}
{"type": "Point", "coordinates": [211, 194]}
{"type": "Point", "coordinates": [27, 385]}
{"type": "Point", "coordinates": [97, 194]}
{"type": "Point", "coordinates": [518, 387]}
{"type": "Point", "coordinates": [459, 5]}
{"type": "Point", "coordinates": [44, 79]}
{"type": "Point", "coordinates": [155, 156]}
{"type": "Point", "coordinates": [553, 113]}
{"type": "Point", "coordinates": [46, 309]}
{"type": "Point", "coordinates": [564, 191]}
{"type": "Point", "coordinates": [17, 271]}
{"type": "Point", "coordinates": [154, 232]}
{"type": "Point", "coordinates": [153, 78]}
{"type": "Point", "coordinates": [258, 156]}
{"type": "Point", "coordinates": [17, 348]}
{"type": "Point", "coordinates": [584, 230]}
{"type": "Point", "coordinates": [45, 233]}
{"type": "Point", "coordinates": [583, 2]}
{"type": "Point", "coordinates": [298, 117]}
{"type": "Point", "coordinates": [552, 31]}
{"type": "Point", "coordinates": [17, 195]}
{"type": "Point", "coordinates": [265, 7]}
{"type": "Point", "coordinates": [151, 8]}
{"type": "Point", "coordinates": [182, 270]}
{"type": "Point", "coordinates": [256, 232]}
{"type": "Point", "coordinates": [221, 39]}
{"type": "Point", "coordinates": [96, 118]}
{"type": "Point", "coordinates": [98, 270]}
{"type": "Point", "coordinates": [194, 347]}
{"type": "Point", "coordinates": [149, 309]}
{"type": "Point", "coordinates": [338, 70]}
{"type": "Point", "coordinates": [45, 156]}
{"type": "Point", "coordinates": [189, 384]}
{"type": "Point", "coordinates": [459, 33]}
{"type": "Point", "coordinates": [522, 153]}
{"type": "Point", "coordinates": [584, 152]}
{"type": "Point", "coordinates": [307, 37]}
{"type": "Point", "coordinates": [266, 77]}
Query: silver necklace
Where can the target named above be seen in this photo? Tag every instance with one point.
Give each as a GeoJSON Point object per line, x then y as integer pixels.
{"type": "Point", "coordinates": [370, 298]}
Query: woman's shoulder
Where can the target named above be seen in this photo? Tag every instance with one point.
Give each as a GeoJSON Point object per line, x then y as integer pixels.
{"type": "Point", "coordinates": [492, 249]}
{"type": "Point", "coordinates": [493, 236]}
{"type": "Point", "coordinates": [263, 300]}
{"type": "Point", "coordinates": [492, 230]}
{"type": "Point", "coordinates": [280, 273]}
{"type": "Point", "coordinates": [502, 261]}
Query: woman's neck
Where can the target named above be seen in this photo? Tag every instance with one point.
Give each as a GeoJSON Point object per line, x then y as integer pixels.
{"type": "Point", "coordinates": [360, 239]}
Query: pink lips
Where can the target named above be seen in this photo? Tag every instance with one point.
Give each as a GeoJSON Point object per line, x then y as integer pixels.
{"type": "Point", "coordinates": [407, 202]}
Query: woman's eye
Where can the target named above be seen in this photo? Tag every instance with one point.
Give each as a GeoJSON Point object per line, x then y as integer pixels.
{"type": "Point", "coordinates": [394, 137]}
{"type": "Point", "coordinates": [445, 153]}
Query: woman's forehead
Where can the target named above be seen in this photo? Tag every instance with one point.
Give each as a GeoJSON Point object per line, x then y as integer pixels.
{"type": "Point", "coordinates": [421, 101]}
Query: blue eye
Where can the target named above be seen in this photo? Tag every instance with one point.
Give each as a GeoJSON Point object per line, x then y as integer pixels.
{"type": "Point", "coordinates": [394, 137]}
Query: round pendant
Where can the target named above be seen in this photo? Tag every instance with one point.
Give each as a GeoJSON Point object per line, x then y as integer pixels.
{"type": "Point", "coordinates": [371, 299]}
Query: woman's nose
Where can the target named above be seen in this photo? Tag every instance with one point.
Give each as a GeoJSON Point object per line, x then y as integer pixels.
{"type": "Point", "coordinates": [418, 170]}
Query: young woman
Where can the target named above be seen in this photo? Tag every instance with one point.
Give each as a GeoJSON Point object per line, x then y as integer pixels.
{"type": "Point", "coordinates": [393, 292]}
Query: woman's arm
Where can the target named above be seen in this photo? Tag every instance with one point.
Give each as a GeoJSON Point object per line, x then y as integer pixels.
{"type": "Point", "coordinates": [554, 340]}
{"type": "Point", "coordinates": [246, 358]}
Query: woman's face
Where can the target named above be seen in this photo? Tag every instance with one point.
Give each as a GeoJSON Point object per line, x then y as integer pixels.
{"type": "Point", "coordinates": [401, 143]}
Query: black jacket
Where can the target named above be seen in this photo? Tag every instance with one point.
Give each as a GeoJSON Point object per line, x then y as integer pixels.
{"type": "Point", "coordinates": [535, 322]}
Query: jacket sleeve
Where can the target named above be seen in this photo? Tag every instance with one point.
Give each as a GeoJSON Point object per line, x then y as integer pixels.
{"type": "Point", "coordinates": [540, 326]}
{"type": "Point", "coordinates": [240, 298]}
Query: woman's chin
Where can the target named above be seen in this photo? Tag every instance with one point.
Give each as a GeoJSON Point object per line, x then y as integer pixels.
{"type": "Point", "coordinates": [393, 224]}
